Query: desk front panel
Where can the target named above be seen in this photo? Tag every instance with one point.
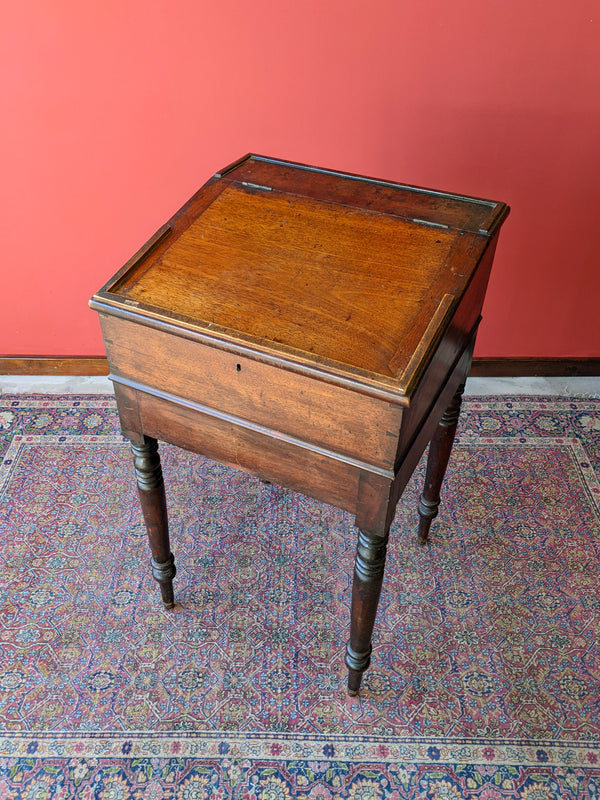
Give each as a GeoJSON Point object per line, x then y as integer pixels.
{"type": "Point", "coordinates": [334, 418]}
{"type": "Point", "coordinates": [307, 471]}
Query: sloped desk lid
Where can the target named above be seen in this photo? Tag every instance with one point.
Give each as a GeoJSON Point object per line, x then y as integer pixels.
{"type": "Point", "coordinates": [330, 271]}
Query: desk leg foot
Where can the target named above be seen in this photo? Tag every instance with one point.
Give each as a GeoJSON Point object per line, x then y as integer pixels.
{"type": "Point", "coordinates": [151, 489]}
{"type": "Point", "coordinates": [163, 573]}
{"type": "Point", "coordinates": [437, 462]}
{"type": "Point", "coordinates": [366, 588]}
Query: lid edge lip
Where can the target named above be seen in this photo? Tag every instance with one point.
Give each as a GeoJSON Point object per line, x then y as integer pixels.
{"type": "Point", "coordinates": [358, 177]}
{"type": "Point", "coordinates": [371, 383]}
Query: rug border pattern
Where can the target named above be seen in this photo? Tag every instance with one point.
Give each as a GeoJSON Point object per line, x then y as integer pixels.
{"type": "Point", "coordinates": [283, 747]}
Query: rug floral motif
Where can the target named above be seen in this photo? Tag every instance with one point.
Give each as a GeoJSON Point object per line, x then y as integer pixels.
{"type": "Point", "coordinates": [485, 677]}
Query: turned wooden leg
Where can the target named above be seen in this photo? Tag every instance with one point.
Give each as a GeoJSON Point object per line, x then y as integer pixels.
{"type": "Point", "coordinates": [366, 588]}
{"type": "Point", "coordinates": [437, 462]}
{"type": "Point", "coordinates": [151, 488]}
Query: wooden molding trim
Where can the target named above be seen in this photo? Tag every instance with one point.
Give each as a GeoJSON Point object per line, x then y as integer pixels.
{"type": "Point", "coordinates": [51, 365]}
{"type": "Point", "coordinates": [535, 367]}
{"type": "Point", "coordinates": [482, 367]}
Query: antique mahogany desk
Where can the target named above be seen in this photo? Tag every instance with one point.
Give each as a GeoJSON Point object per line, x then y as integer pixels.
{"type": "Point", "coordinates": [311, 327]}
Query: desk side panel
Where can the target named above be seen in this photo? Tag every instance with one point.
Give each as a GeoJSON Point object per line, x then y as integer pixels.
{"type": "Point", "coordinates": [458, 338]}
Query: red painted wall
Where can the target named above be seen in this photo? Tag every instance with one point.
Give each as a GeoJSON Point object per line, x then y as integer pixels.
{"type": "Point", "coordinates": [115, 112]}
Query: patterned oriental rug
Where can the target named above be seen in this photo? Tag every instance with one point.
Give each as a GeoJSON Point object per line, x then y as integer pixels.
{"type": "Point", "coordinates": [485, 682]}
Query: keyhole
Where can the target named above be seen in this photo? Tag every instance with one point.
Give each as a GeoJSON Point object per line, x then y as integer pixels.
{"type": "Point", "coordinates": [239, 367]}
